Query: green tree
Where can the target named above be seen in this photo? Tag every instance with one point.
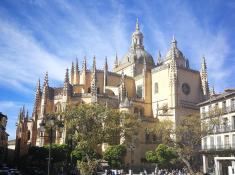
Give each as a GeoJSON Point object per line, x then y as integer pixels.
{"type": "Point", "coordinates": [115, 155]}
{"type": "Point", "coordinates": [94, 124]}
{"type": "Point", "coordinates": [185, 138]}
{"type": "Point", "coordinates": [162, 155]}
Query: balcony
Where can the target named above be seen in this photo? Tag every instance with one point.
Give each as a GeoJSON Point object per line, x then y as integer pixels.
{"type": "Point", "coordinates": [225, 147]}
{"type": "Point", "coordinates": [218, 111]}
{"type": "Point", "coordinates": [223, 129]}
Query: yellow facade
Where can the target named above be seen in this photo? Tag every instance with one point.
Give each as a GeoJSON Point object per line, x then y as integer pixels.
{"type": "Point", "coordinates": [168, 89]}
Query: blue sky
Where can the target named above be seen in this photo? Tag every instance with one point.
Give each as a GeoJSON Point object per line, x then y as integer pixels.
{"type": "Point", "coordinates": [39, 35]}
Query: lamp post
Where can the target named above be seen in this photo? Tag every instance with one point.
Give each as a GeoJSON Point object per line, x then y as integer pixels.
{"type": "Point", "coordinates": [50, 124]}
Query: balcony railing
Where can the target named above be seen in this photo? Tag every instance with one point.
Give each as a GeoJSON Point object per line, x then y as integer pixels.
{"type": "Point", "coordinates": [218, 147]}
{"type": "Point", "coordinates": [224, 128]}
{"type": "Point", "coordinates": [218, 111]}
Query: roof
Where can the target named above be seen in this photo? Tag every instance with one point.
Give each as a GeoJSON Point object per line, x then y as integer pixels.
{"type": "Point", "coordinates": [218, 97]}
{"type": "Point", "coordinates": [2, 115]}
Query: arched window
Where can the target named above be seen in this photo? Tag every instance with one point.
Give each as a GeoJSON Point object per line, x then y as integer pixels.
{"type": "Point", "coordinates": [89, 90]}
{"type": "Point", "coordinates": [28, 135]}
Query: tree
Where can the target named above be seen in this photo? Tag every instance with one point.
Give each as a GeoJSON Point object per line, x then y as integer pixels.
{"type": "Point", "coordinates": [115, 155]}
{"type": "Point", "coordinates": [91, 125]}
{"type": "Point", "coordinates": [185, 138]}
{"type": "Point", "coordinates": [162, 155]}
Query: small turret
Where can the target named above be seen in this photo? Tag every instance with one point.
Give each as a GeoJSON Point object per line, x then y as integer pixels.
{"type": "Point", "coordinates": [76, 73]}
{"type": "Point", "coordinates": [116, 61]}
{"type": "Point", "coordinates": [105, 74]}
{"type": "Point", "coordinates": [122, 88]}
{"type": "Point", "coordinates": [174, 42]}
{"type": "Point", "coordinates": [72, 74]}
{"type": "Point", "coordinates": [94, 82]}
{"type": "Point", "coordinates": [44, 95]}
{"type": "Point", "coordinates": [204, 80]}
{"type": "Point", "coordinates": [137, 37]}
{"type": "Point", "coordinates": [66, 83]}
{"type": "Point", "coordinates": [84, 66]}
{"type": "Point", "coordinates": [159, 58]}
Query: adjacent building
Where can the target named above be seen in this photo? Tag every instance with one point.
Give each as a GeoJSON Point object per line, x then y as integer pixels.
{"type": "Point", "coordinates": [153, 88]}
{"type": "Point", "coordinates": [3, 138]}
{"type": "Point", "coordinates": [218, 143]}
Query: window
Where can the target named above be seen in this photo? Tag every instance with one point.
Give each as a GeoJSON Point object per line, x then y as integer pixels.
{"type": "Point", "coordinates": [203, 112]}
{"type": "Point", "coordinates": [233, 141]}
{"type": "Point", "coordinates": [232, 105]}
{"type": "Point", "coordinates": [139, 91]}
{"type": "Point", "coordinates": [224, 106]}
{"type": "Point", "coordinates": [98, 90]}
{"type": "Point", "coordinates": [226, 141]}
{"type": "Point", "coordinates": [156, 88]}
{"type": "Point", "coordinates": [28, 135]}
{"type": "Point", "coordinates": [212, 142]}
{"type": "Point", "coordinates": [219, 143]}
{"type": "Point", "coordinates": [89, 90]}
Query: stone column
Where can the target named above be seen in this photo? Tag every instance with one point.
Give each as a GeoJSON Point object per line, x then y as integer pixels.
{"type": "Point", "coordinates": [218, 167]}
{"type": "Point", "coordinates": [205, 163]}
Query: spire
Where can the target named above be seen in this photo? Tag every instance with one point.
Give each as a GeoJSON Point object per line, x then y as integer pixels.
{"type": "Point", "coordinates": [37, 96]}
{"type": "Point", "coordinates": [174, 42]}
{"type": "Point", "coordinates": [76, 66]}
{"type": "Point", "coordinates": [116, 61]}
{"type": "Point", "coordinates": [204, 79]}
{"type": "Point", "coordinates": [122, 88]}
{"type": "Point", "coordinates": [212, 92]}
{"type": "Point", "coordinates": [72, 74]}
{"type": "Point", "coordinates": [94, 65]}
{"type": "Point", "coordinates": [137, 38]}
{"type": "Point", "coordinates": [105, 74]}
{"type": "Point", "coordinates": [137, 27]}
{"type": "Point", "coordinates": [106, 64]}
{"type": "Point", "coordinates": [159, 57]}
{"type": "Point", "coordinates": [84, 66]}
{"type": "Point", "coordinates": [46, 80]}
{"type": "Point", "coordinates": [27, 115]}
{"type": "Point", "coordinates": [94, 82]}
{"type": "Point", "coordinates": [76, 73]}
{"type": "Point", "coordinates": [66, 78]}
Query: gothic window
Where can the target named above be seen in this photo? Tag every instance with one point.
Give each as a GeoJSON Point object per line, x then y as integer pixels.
{"type": "Point", "coordinates": [141, 112]}
{"type": "Point", "coordinates": [58, 107]}
{"type": "Point", "coordinates": [28, 135]}
{"type": "Point", "coordinates": [98, 90]}
{"type": "Point", "coordinates": [147, 134]}
{"type": "Point", "coordinates": [154, 138]}
{"type": "Point", "coordinates": [156, 88]}
{"type": "Point", "coordinates": [139, 91]}
{"type": "Point", "coordinates": [136, 111]}
{"type": "Point", "coordinates": [89, 90]}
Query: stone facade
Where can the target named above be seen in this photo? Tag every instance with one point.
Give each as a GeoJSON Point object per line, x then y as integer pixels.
{"type": "Point", "coordinates": [218, 145]}
{"type": "Point", "coordinates": [3, 138]}
{"type": "Point", "coordinates": [168, 89]}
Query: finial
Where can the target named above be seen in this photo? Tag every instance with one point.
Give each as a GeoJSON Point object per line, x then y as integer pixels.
{"type": "Point", "coordinates": [174, 42]}
{"type": "Point", "coordinates": [84, 64]}
{"type": "Point", "coordinates": [46, 79]}
{"type": "Point", "coordinates": [66, 79]}
{"type": "Point", "coordinates": [116, 61]}
{"type": "Point", "coordinates": [106, 64]}
{"type": "Point", "coordinates": [76, 66]}
{"type": "Point", "coordinates": [159, 57]}
{"type": "Point", "coordinates": [94, 64]}
{"type": "Point", "coordinates": [137, 27]}
{"type": "Point", "coordinates": [212, 91]}
{"type": "Point", "coordinates": [38, 85]}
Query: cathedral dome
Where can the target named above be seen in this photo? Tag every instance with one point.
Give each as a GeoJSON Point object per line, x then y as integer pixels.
{"type": "Point", "coordinates": [137, 53]}
{"type": "Point", "coordinates": [138, 56]}
{"type": "Point", "coordinates": [174, 50]}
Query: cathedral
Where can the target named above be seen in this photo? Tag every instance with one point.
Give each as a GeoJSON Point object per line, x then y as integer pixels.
{"type": "Point", "coordinates": [161, 88]}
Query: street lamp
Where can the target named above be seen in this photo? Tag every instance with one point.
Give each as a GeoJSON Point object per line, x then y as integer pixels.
{"type": "Point", "coordinates": [50, 124]}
